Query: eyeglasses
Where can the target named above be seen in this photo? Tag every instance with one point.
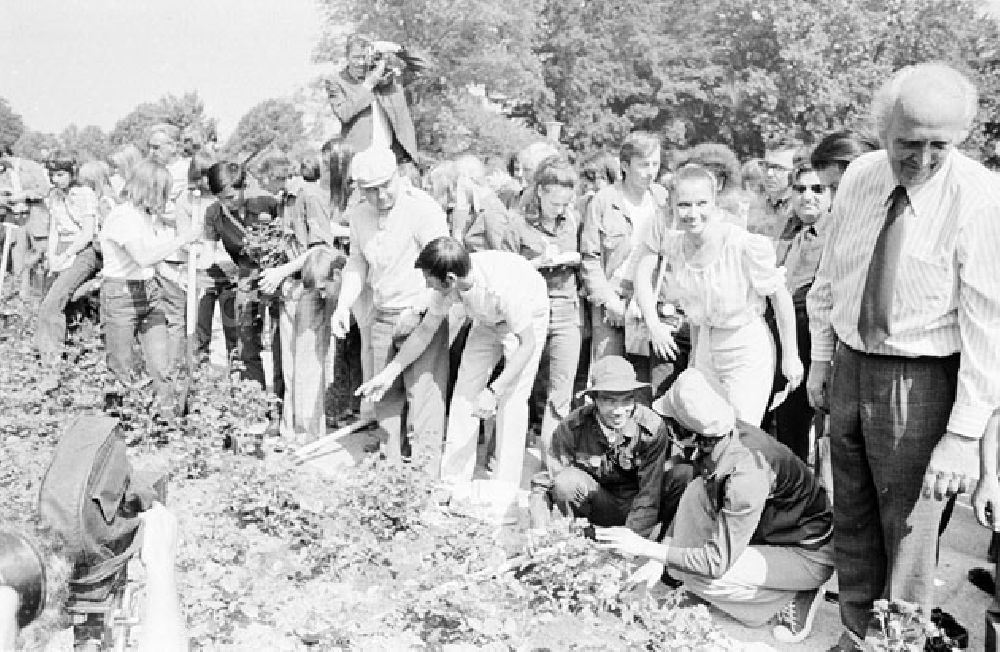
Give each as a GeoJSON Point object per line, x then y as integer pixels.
{"type": "Point", "coordinates": [816, 188]}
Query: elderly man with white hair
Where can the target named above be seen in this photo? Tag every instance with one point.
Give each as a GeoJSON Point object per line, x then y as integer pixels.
{"type": "Point", "coordinates": [905, 320]}
{"type": "Point", "coordinates": [388, 230]}
{"type": "Point", "coordinates": [753, 530]}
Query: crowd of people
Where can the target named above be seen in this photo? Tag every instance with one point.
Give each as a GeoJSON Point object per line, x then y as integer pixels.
{"type": "Point", "coordinates": [681, 331]}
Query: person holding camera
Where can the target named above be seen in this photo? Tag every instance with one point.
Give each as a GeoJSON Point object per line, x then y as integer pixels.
{"type": "Point", "coordinates": [367, 97]}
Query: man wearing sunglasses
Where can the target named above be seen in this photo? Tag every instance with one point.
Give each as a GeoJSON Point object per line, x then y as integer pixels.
{"type": "Point", "coordinates": [753, 531]}
{"type": "Point", "coordinates": [606, 462]}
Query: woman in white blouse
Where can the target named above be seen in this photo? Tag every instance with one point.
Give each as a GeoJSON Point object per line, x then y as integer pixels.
{"type": "Point", "coordinates": [720, 275]}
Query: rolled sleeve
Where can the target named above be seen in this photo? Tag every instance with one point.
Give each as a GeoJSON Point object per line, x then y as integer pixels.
{"type": "Point", "coordinates": [599, 289]}
{"type": "Point", "coordinates": [978, 391]}
{"type": "Point", "coordinates": [819, 306]}
{"type": "Point", "coordinates": [347, 105]}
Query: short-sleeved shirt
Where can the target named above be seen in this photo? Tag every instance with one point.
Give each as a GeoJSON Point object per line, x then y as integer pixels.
{"type": "Point", "coordinates": [799, 250]}
{"type": "Point", "coordinates": [219, 226]}
{"type": "Point", "coordinates": [389, 245]}
{"type": "Point", "coordinates": [536, 240]}
{"type": "Point", "coordinates": [68, 209]}
{"type": "Point", "coordinates": [127, 226]}
{"type": "Point", "coordinates": [506, 291]}
{"type": "Point", "coordinates": [729, 291]}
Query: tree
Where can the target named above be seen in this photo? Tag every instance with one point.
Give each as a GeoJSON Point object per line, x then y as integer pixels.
{"type": "Point", "coordinates": [89, 143]}
{"type": "Point", "coordinates": [184, 111]}
{"type": "Point", "coordinates": [11, 124]}
{"type": "Point", "coordinates": [276, 122]}
{"type": "Point", "coordinates": [468, 42]}
{"type": "Point", "coordinates": [36, 145]}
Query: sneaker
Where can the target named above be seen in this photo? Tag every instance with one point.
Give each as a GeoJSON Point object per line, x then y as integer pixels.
{"type": "Point", "coordinates": [796, 618]}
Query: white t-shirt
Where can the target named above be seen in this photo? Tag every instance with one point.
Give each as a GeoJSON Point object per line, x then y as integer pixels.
{"type": "Point", "coordinates": [127, 226]}
{"type": "Point", "coordinates": [506, 289]}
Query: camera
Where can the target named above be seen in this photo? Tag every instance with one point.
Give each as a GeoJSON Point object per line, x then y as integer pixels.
{"type": "Point", "coordinates": [393, 66]}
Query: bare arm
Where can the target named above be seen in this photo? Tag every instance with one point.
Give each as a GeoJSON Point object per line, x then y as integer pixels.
{"type": "Point", "coordinates": [784, 315]}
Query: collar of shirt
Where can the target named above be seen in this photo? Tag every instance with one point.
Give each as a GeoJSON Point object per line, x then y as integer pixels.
{"type": "Point", "coordinates": [618, 438]}
{"type": "Point", "coordinates": [922, 198]}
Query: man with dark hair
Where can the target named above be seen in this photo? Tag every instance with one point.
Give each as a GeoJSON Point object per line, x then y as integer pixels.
{"type": "Point", "coordinates": [507, 299]}
{"type": "Point", "coordinates": [227, 221]}
{"type": "Point", "coordinates": [367, 97]}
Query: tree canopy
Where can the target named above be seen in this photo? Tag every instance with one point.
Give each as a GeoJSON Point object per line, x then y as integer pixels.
{"type": "Point", "coordinates": [740, 72]}
{"type": "Point", "coordinates": [11, 125]}
{"type": "Point", "coordinates": [184, 111]}
{"type": "Point", "coordinates": [272, 123]}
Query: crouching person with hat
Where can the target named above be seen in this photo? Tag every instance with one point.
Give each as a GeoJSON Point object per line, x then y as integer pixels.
{"type": "Point", "coordinates": [607, 457]}
{"type": "Point", "coordinates": [753, 532]}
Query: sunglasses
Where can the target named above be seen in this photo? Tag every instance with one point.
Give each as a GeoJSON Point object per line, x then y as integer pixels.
{"type": "Point", "coordinates": [816, 188]}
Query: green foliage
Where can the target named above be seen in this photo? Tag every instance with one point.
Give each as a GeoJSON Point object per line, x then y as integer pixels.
{"type": "Point", "coordinates": [86, 144]}
{"type": "Point", "coordinates": [275, 123]}
{"type": "Point", "coordinates": [183, 111]}
{"type": "Point", "coordinates": [36, 145]}
{"type": "Point", "coordinates": [740, 72]}
{"type": "Point", "coordinates": [11, 124]}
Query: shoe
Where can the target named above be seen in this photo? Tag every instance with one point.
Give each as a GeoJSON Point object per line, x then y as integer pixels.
{"type": "Point", "coordinates": [796, 618]}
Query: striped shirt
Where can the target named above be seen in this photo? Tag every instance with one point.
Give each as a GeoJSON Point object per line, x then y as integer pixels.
{"type": "Point", "coordinates": [946, 294]}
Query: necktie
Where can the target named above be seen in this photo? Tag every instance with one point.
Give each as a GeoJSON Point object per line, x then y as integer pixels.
{"type": "Point", "coordinates": [876, 302]}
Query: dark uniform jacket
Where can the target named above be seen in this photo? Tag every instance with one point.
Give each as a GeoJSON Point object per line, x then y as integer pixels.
{"type": "Point", "coordinates": [633, 466]}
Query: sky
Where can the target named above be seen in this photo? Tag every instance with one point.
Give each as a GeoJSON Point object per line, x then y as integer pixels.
{"type": "Point", "coordinates": [92, 61]}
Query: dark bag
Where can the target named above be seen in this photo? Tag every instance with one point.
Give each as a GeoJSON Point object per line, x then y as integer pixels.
{"type": "Point", "coordinates": [88, 499]}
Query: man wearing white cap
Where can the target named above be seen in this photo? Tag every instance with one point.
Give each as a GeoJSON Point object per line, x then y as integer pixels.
{"type": "Point", "coordinates": [606, 462]}
{"type": "Point", "coordinates": [508, 302]}
{"type": "Point", "coordinates": [388, 230]}
{"type": "Point", "coordinates": [754, 528]}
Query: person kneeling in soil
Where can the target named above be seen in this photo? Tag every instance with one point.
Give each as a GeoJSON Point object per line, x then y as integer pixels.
{"type": "Point", "coordinates": [606, 461]}
{"type": "Point", "coordinates": [753, 533]}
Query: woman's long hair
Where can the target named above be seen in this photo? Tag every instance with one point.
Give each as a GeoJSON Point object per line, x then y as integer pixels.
{"type": "Point", "coordinates": [339, 155]}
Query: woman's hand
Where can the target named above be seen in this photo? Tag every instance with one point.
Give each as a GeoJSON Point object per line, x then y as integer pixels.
{"type": "Point", "coordinates": [792, 370]}
{"type": "Point", "coordinates": [614, 312]}
{"type": "Point", "coordinates": [486, 404]}
{"type": "Point", "coordinates": [661, 339]}
{"type": "Point", "coordinates": [270, 279]}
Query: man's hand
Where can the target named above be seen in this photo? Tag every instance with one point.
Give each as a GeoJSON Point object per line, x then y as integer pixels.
{"type": "Point", "coordinates": [614, 312]}
{"type": "Point", "coordinates": [486, 404]}
{"type": "Point", "coordinates": [376, 388]}
{"type": "Point", "coordinates": [625, 541]}
{"type": "Point", "coordinates": [376, 75]}
{"type": "Point", "coordinates": [648, 574]}
{"type": "Point", "coordinates": [816, 385]}
{"type": "Point", "coordinates": [986, 502]}
{"type": "Point", "coordinates": [340, 322]}
{"type": "Point", "coordinates": [661, 339]}
{"type": "Point", "coordinates": [159, 541]}
{"type": "Point", "coordinates": [953, 467]}
{"type": "Point", "coordinates": [791, 369]}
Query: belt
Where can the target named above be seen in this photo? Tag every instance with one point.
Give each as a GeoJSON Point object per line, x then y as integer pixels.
{"type": "Point", "coordinates": [910, 358]}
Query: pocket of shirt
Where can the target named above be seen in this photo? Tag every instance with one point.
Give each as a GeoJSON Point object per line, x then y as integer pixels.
{"type": "Point", "coordinates": [925, 280]}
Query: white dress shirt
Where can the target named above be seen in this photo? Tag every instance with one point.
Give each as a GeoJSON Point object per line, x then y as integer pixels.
{"type": "Point", "coordinates": [946, 294]}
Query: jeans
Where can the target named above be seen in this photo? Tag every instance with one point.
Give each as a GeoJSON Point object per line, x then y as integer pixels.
{"type": "Point", "coordinates": [487, 343]}
{"type": "Point", "coordinates": [50, 335]}
{"type": "Point", "coordinates": [173, 301]}
{"type": "Point", "coordinates": [562, 352]}
{"type": "Point", "coordinates": [305, 342]}
{"type": "Point", "coordinates": [887, 414]}
{"type": "Point", "coordinates": [131, 309]}
{"type": "Point", "coordinates": [605, 339]}
{"type": "Point", "coordinates": [420, 389]}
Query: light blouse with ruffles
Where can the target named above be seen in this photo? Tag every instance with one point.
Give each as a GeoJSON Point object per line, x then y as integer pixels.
{"type": "Point", "coordinates": [729, 291]}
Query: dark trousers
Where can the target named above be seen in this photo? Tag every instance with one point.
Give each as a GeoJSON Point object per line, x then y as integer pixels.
{"type": "Point", "coordinates": [794, 417]}
{"type": "Point", "coordinates": [887, 414]}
